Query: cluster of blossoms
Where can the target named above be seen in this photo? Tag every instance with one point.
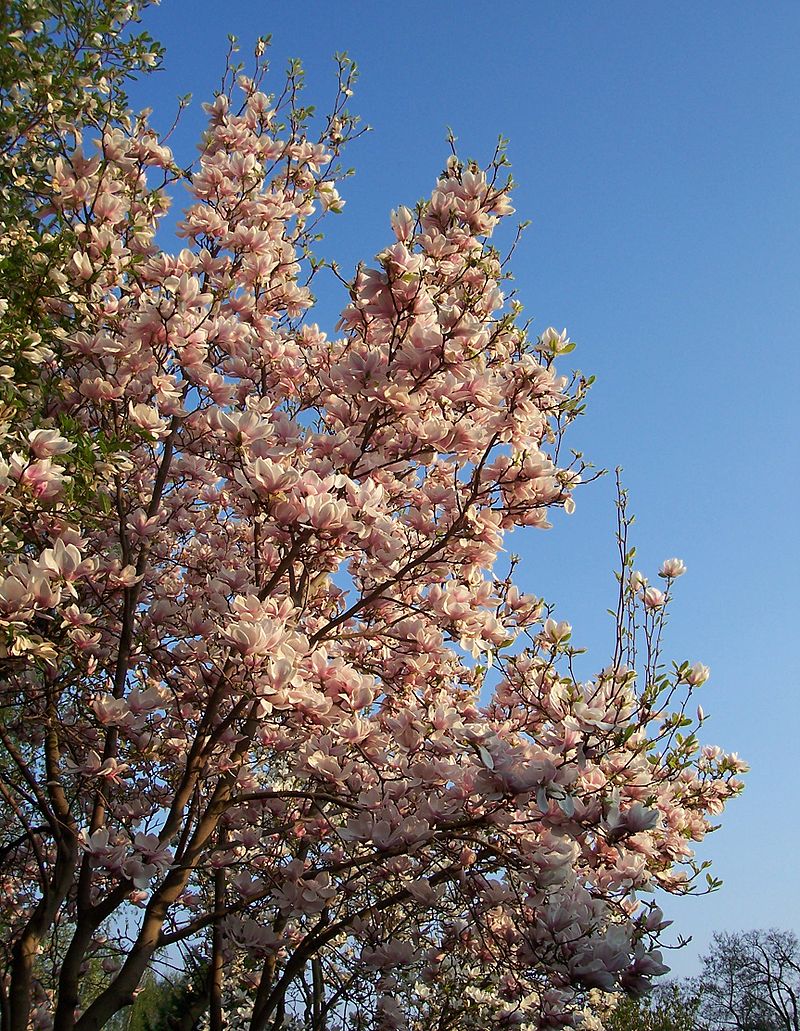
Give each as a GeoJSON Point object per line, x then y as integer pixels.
{"type": "Point", "coordinates": [265, 697]}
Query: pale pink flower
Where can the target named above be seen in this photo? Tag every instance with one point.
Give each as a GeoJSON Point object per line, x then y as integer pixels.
{"type": "Point", "coordinates": [698, 674]}
{"type": "Point", "coordinates": [637, 581]}
{"type": "Point", "coordinates": [634, 819]}
{"type": "Point", "coordinates": [45, 594]}
{"type": "Point", "coordinates": [125, 577]}
{"type": "Point", "coordinates": [14, 594]}
{"type": "Point", "coordinates": [82, 265]}
{"type": "Point", "coordinates": [46, 443]}
{"type": "Point", "coordinates": [268, 477]}
{"type": "Point", "coordinates": [142, 701]}
{"type": "Point", "coordinates": [329, 198]}
{"type": "Point", "coordinates": [153, 851]}
{"type": "Point", "coordinates": [97, 388]}
{"type": "Point", "coordinates": [110, 710]}
{"type": "Point", "coordinates": [45, 480]}
{"type": "Point", "coordinates": [143, 526]}
{"type": "Point", "coordinates": [147, 418]}
{"type": "Point", "coordinates": [556, 633]}
{"type": "Point", "coordinates": [64, 560]}
{"type": "Point", "coordinates": [393, 953]}
{"type": "Point", "coordinates": [140, 872]}
{"type": "Point", "coordinates": [653, 598]}
{"type": "Point", "coordinates": [253, 935]}
{"type": "Point", "coordinates": [247, 638]}
{"type": "Point", "coordinates": [422, 891]}
{"type": "Point", "coordinates": [554, 342]}
{"type": "Point", "coordinates": [672, 568]}
{"type": "Point", "coordinates": [327, 513]}
{"type": "Point", "coordinates": [402, 223]}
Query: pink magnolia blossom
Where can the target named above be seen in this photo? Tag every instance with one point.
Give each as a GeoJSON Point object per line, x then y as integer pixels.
{"type": "Point", "coordinates": [46, 443]}
{"type": "Point", "coordinates": [672, 568]}
{"type": "Point", "coordinates": [698, 674]}
{"type": "Point", "coordinates": [653, 598]}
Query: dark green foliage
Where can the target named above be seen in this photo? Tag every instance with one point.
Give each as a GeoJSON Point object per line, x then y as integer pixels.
{"type": "Point", "coordinates": [670, 1007]}
{"type": "Point", "coordinates": [169, 1004]}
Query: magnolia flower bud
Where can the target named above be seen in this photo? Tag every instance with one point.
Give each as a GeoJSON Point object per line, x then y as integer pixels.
{"type": "Point", "coordinates": [402, 223]}
{"type": "Point", "coordinates": [637, 581]}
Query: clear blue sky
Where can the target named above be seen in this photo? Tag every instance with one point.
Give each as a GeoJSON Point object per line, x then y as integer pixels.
{"type": "Point", "coordinates": [657, 152]}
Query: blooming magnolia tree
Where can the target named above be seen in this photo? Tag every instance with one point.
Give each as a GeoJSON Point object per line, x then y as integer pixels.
{"type": "Point", "coordinates": [270, 697]}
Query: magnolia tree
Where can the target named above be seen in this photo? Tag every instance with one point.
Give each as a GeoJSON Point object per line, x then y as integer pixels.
{"type": "Point", "coordinates": [271, 698]}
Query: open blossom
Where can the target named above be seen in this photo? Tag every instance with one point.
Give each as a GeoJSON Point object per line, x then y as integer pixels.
{"type": "Point", "coordinates": [634, 819]}
{"type": "Point", "coordinates": [672, 568]}
{"type": "Point", "coordinates": [147, 419]}
{"type": "Point", "coordinates": [653, 598]}
{"type": "Point", "coordinates": [268, 477]}
{"type": "Point", "coordinates": [556, 632]}
{"type": "Point", "coordinates": [45, 594]}
{"type": "Point", "coordinates": [698, 674]}
{"type": "Point", "coordinates": [82, 265]}
{"type": "Point", "coordinates": [327, 513]}
{"type": "Point", "coordinates": [555, 342]}
{"type": "Point", "coordinates": [102, 844]}
{"type": "Point", "coordinates": [392, 954]}
{"type": "Point", "coordinates": [93, 766]}
{"type": "Point", "coordinates": [46, 443]}
{"type": "Point", "coordinates": [252, 936]}
{"type": "Point", "coordinates": [44, 480]}
{"type": "Point", "coordinates": [14, 595]}
{"type": "Point", "coordinates": [65, 560]}
{"type": "Point", "coordinates": [111, 710]}
{"type": "Point", "coordinates": [150, 847]}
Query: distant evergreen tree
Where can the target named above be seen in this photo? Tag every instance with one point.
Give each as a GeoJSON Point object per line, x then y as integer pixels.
{"type": "Point", "coordinates": [668, 1008]}
{"type": "Point", "coordinates": [163, 1005]}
